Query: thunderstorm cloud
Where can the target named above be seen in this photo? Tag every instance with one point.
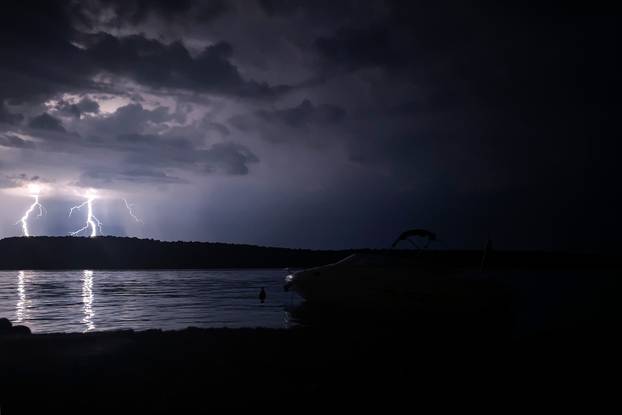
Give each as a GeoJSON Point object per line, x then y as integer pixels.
{"type": "Point", "coordinates": [314, 123]}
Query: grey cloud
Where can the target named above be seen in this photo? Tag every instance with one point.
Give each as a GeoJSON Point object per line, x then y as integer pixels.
{"type": "Point", "coordinates": [276, 125]}
{"type": "Point", "coordinates": [103, 177]}
{"type": "Point", "coordinates": [10, 140]}
{"type": "Point", "coordinates": [144, 144]}
{"type": "Point", "coordinates": [137, 114]}
{"type": "Point", "coordinates": [8, 117]}
{"type": "Point", "coordinates": [134, 12]}
{"type": "Point", "coordinates": [304, 114]}
{"type": "Point", "coordinates": [143, 150]}
{"type": "Point", "coordinates": [164, 144]}
{"type": "Point", "coordinates": [228, 158]}
{"type": "Point", "coordinates": [153, 175]}
{"type": "Point", "coordinates": [215, 126]}
{"type": "Point", "coordinates": [7, 182]}
{"type": "Point", "coordinates": [11, 181]}
{"type": "Point", "coordinates": [243, 122]}
{"type": "Point", "coordinates": [46, 122]}
{"type": "Point", "coordinates": [88, 105]}
{"type": "Point", "coordinates": [131, 118]}
{"type": "Point", "coordinates": [84, 106]}
{"type": "Point", "coordinates": [44, 54]}
{"type": "Point", "coordinates": [171, 66]}
{"type": "Point", "coordinates": [146, 156]}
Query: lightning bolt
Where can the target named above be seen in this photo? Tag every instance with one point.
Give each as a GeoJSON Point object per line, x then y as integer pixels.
{"type": "Point", "coordinates": [91, 220]}
{"type": "Point", "coordinates": [34, 190]}
{"type": "Point", "coordinates": [130, 208]}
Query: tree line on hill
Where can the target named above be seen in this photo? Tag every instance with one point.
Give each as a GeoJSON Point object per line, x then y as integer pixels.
{"type": "Point", "coordinates": [110, 252]}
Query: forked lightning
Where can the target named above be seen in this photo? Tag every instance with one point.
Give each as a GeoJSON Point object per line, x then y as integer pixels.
{"type": "Point", "coordinates": [34, 191]}
{"type": "Point", "coordinates": [91, 220]}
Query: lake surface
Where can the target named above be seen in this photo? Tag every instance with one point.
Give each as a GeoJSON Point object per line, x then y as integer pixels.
{"type": "Point", "coordinates": [80, 301]}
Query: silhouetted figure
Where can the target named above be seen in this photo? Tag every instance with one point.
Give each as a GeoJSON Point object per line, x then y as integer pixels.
{"type": "Point", "coordinates": [262, 295]}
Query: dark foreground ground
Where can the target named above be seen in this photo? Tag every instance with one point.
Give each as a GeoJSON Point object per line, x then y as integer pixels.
{"type": "Point", "coordinates": [397, 368]}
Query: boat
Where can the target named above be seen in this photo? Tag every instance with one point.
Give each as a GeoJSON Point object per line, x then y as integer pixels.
{"type": "Point", "coordinates": [396, 279]}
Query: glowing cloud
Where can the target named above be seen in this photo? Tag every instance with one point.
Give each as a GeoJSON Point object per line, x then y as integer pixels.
{"type": "Point", "coordinates": [91, 220]}
{"type": "Point", "coordinates": [33, 191]}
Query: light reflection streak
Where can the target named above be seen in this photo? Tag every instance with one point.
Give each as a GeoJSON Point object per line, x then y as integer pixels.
{"type": "Point", "coordinates": [21, 306]}
{"type": "Point", "coordinates": [87, 300]}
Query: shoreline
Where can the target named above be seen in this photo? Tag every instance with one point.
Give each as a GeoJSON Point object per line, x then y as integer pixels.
{"type": "Point", "coordinates": [107, 253]}
{"type": "Point", "coordinates": [162, 371]}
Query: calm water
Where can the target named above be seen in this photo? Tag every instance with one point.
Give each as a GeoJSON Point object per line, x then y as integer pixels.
{"type": "Point", "coordinates": [79, 301]}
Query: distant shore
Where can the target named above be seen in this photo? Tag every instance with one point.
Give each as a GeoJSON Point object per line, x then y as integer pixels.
{"type": "Point", "coordinates": [54, 253]}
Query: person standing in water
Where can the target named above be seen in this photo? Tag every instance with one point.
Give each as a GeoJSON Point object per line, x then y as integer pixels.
{"type": "Point", "coordinates": [262, 295]}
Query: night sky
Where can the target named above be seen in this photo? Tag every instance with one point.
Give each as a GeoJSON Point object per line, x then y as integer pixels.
{"type": "Point", "coordinates": [316, 124]}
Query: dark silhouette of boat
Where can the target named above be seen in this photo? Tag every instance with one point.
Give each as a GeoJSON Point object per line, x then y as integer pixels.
{"type": "Point", "coordinates": [398, 279]}
{"type": "Point", "coordinates": [376, 280]}
{"type": "Point", "coordinates": [437, 280]}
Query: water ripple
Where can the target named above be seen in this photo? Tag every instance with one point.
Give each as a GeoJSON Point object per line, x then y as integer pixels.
{"type": "Point", "coordinates": [79, 301]}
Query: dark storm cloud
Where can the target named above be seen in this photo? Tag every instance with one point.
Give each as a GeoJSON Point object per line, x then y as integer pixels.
{"type": "Point", "coordinates": [354, 47]}
{"type": "Point", "coordinates": [317, 11]}
{"type": "Point", "coordinates": [43, 53]}
{"type": "Point", "coordinates": [280, 7]}
{"type": "Point", "coordinates": [374, 115]}
{"type": "Point", "coordinates": [152, 148]}
{"type": "Point", "coordinates": [132, 12]}
{"type": "Point", "coordinates": [495, 70]}
{"type": "Point", "coordinates": [145, 154]}
{"type": "Point", "coordinates": [9, 117]}
{"type": "Point", "coordinates": [227, 158]}
{"type": "Point", "coordinates": [304, 114]}
{"type": "Point", "coordinates": [153, 63]}
{"type": "Point", "coordinates": [273, 124]}
{"type": "Point", "coordinates": [46, 122]}
{"type": "Point", "coordinates": [102, 177]}
{"type": "Point", "coordinates": [37, 56]}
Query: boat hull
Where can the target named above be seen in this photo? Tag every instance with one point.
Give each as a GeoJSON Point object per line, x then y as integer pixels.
{"type": "Point", "coordinates": [396, 287]}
